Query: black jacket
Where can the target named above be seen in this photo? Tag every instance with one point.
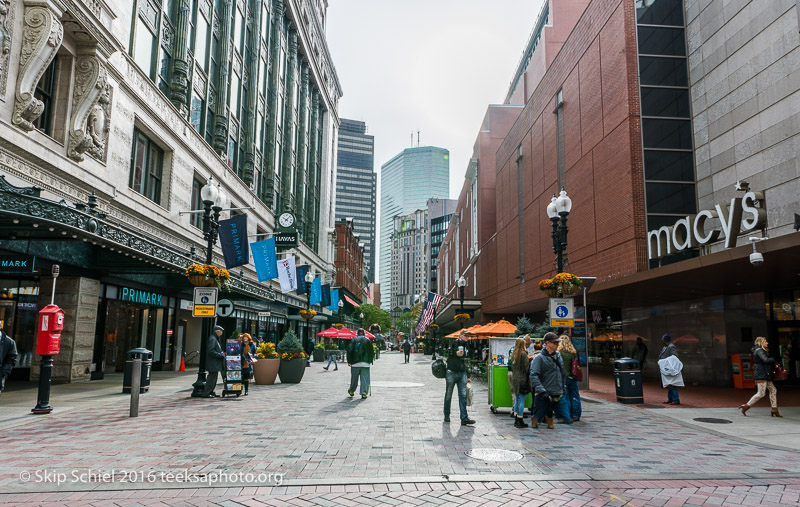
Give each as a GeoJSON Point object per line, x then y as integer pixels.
{"type": "Point", "coordinates": [763, 365]}
{"type": "Point", "coordinates": [215, 359]}
{"type": "Point", "coordinates": [360, 351]}
{"type": "Point", "coordinates": [407, 347]}
{"type": "Point", "coordinates": [8, 354]}
{"type": "Point", "coordinates": [547, 374]}
{"type": "Point", "coordinates": [455, 363]}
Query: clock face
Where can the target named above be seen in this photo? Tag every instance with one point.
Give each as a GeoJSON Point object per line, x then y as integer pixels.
{"type": "Point", "coordinates": [286, 220]}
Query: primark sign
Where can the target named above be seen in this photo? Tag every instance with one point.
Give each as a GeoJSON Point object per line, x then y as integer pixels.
{"type": "Point", "coordinates": [741, 216]}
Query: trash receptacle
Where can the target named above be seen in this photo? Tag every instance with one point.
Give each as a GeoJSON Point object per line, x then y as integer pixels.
{"type": "Point", "coordinates": [147, 361]}
{"type": "Point", "coordinates": [628, 380]}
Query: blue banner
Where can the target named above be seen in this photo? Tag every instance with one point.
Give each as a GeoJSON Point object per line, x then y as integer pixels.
{"type": "Point", "coordinates": [326, 295]}
{"type": "Point", "coordinates": [265, 259]}
{"type": "Point", "coordinates": [316, 291]}
{"type": "Point", "coordinates": [334, 299]}
{"type": "Point", "coordinates": [301, 278]}
{"type": "Point", "coordinates": [233, 240]}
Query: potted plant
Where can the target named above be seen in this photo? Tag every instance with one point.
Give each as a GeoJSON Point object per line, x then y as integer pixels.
{"type": "Point", "coordinates": [307, 314]}
{"type": "Point", "coordinates": [461, 317]}
{"type": "Point", "coordinates": [293, 359]}
{"type": "Point", "coordinates": [266, 367]}
{"type": "Point", "coordinates": [319, 352]}
{"type": "Point", "coordinates": [206, 275]}
{"type": "Point", "coordinates": [561, 285]}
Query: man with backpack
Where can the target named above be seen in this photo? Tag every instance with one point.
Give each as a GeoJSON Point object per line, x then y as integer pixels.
{"type": "Point", "coordinates": [360, 356]}
{"type": "Point", "coordinates": [407, 349]}
{"type": "Point", "coordinates": [457, 376]}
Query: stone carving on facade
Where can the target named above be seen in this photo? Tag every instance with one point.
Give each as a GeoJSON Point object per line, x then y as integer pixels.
{"type": "Point", "coordinates": [42, 34]}
{"type": "Point", "coordinates": [6, 25]}
{"type": "Point", "coordinates": [91, 108]}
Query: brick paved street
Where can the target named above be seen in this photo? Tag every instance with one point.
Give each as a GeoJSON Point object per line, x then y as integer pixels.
{"type": "Point", "coordinates": [391, 448]}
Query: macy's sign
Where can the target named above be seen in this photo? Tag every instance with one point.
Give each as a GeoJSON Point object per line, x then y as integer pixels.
{"type": "Point", "coordinates": [742, 215]}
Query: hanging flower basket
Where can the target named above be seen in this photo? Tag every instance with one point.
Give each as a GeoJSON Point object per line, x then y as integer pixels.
{"type": "Point", "coordinates": [338, 325]}
{"type": "Point", "coordinates": [561, 285]}
{"type": "Point", "coordinates": [200, 281]}
{"type": "Point", "coordinates": [307, 314]}
{"type": "Point", "coordinates": [206, 275]}
{"type": "Point", "coordinates": [461, 317]}
{"type": "Point", "coordinates": [551, 291]}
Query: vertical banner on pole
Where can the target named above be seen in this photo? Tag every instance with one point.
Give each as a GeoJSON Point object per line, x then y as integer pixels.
{"type": "Point", "coordinates": [265, 259]}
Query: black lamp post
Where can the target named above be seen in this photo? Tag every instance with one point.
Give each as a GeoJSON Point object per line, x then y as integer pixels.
{"type": "Point", "coordinates": [462, 282]}
{"type": "Point", "coordinates": [558, 210]}
{"type": "Point", "coordinates": [213, 201]}
{"type": "Point", "coordinates": [361, 318]}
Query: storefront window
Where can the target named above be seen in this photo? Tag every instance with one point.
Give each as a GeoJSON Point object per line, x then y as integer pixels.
{"type": "Point", "coordinates": [18, 316]}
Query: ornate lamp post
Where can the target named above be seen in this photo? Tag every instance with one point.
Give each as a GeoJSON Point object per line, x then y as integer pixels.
{"type": "Point", "coordinates": [558, 210]}
{"type": "Point", "coordinates": [213, 201]}
{"type": "Point", "coordinates": [361, 318]}
{"type": "Point", "coordinates": [462, 282]}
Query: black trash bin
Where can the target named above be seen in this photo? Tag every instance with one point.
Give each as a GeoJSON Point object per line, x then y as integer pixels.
{"type": "Point", "coordinates": [628, 380]}
{"type": "Point", "coordinates": [147, 362]}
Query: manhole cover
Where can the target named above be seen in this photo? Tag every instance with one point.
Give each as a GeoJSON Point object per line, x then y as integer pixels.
{"type": "Point", "coordinates": [494, 455]}
{"type": "Point", "coordinates": [380, 383]}
{"type": "Point", "coordinates": [712, 420]}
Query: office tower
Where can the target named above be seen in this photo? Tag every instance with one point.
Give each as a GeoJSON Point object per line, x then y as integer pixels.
{"type": "Point", "coordinates": [356, 186]}
{"type": "Point", "coordinates": [440, 212]}
{"type": "Point", "coordinates": [408, 180]}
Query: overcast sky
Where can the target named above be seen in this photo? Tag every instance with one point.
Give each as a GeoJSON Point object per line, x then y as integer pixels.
{"type": "Point", "coordinates": [426, 65]}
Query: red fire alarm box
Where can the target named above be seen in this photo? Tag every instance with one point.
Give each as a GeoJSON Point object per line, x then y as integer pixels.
{"type": "Point", "coordinates": [51, 323]}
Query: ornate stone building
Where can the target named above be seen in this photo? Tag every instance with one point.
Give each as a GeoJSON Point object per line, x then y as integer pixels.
{"type": "Point", "coordinates": [113, 115]}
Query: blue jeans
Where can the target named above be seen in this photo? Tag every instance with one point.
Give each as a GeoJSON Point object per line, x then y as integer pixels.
{"type": "Point", "coordinates": [519, 404]}
{"type": "Point", "coordinates": [357, 372]}
{"type": "Point", "coordinates": [332, 357]}
{"type": "Point", "coordinates": [573, 398]}
{"type": "Point", "coordinates": [460, 379]}
{"type": "Point", "coordinates": [542, 409]}
{"type": "Point", "coordinates": [672, 395]}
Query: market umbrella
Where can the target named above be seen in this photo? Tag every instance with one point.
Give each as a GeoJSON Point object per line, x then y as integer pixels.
{"type": "Point", "coordinates": [344, 333]}
{"type": "Point", "coordinates": [369, 335]}
{"type": "Point", "coordinates": [499, 328]}
{"type": "Point", "coordinates": [470, 330]}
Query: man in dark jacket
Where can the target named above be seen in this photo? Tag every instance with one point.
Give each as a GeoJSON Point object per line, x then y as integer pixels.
{"type": "Point", "coordinates": [360, 356]}
{"type": "Point", "coordinates": [670, 350]}
{"type": "Point", "coordinates": [407, 349]}
{"type": "Point", "coordinates": [215, 361]}
{"type": "Point", "coordinates": [8, 357]}
{"type": "Point", "coordinates": [457, 376]}
{"type": "Point", "coordinates": [547, 380]}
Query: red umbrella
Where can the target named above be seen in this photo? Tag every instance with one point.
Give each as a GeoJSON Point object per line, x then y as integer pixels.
{"type": "Point", "coordinates": [332, 332]}
{"type": "Point", "coordinates": [369, 335]}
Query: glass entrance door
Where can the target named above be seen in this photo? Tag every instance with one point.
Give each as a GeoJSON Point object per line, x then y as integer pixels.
{"type": "Point", "coordinates": [788, 341]}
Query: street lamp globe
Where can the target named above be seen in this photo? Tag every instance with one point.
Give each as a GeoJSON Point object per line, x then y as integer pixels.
{"type": "Point", "coordinates": [341, 305]}
{"type": "Point", "coordinates": [462, 282]}
{"type": "Point", "coordinates": [551, 208]}
{"type": "Point", "coordinates": [563, 203]}
{"type": "Point", "coordinates": [310, 278]}
{"type": "Point", "coordinates": [209, 191]}
{"type": "Point", "coordinates": [221, 198]}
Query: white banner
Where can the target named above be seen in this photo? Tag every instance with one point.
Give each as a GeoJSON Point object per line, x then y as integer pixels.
{"type": "Point", "coordinates": [287, 274]}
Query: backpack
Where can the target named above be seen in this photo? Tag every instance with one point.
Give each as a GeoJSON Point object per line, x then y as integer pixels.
{"type": "Point", "coordinates": [438, 369]}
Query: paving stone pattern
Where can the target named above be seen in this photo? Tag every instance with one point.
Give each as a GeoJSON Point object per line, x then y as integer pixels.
{"type": "Point", "coordinates": [317, 436]}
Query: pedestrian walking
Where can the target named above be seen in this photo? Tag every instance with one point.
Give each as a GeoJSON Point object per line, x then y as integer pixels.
{"type": "Point", "coordinates": [640, 353]}
{"type": "Point", "coordinates": [215, 361]}
{"type": "Point", "coordinates": [407, 349]}
{"type": "Point", "coordinates": [572, 398]}
{"type": "Point", "coordinates": [763, 371]}
{"type": "Point", "coordinates": [248, 358]}
{"type": "Point", "coordinates": [547, 381]}
{"type": "Point", "coordinates": [668, 370]}
{"type": "Point", "coordinates": [457, 376]}
{"type": "Point", "coordinates": [520, 367]}
{"type": "Point", "coordinates": [360, 356]}
{"type": "Point", "coordinates": [8, 357]}
{"type": "Point", "coordinates": [332, 357]}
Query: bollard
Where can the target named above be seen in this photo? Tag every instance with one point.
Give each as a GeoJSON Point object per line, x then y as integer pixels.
{"type": "Point", "coordinates": [136, 380]}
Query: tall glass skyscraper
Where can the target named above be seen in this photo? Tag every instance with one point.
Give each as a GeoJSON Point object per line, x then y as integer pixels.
{"type": "Point", "coordinates": [356, 186]}
{"type": "Point", "coordinates": [407, 182]}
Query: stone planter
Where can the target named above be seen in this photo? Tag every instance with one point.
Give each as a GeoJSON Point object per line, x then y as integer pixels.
{"type": "Point", "coordinates": [266, 370]}
{"type": "Point", "coordinates": [291, 371]}
{"type": "Point", "coordinates": [318, 355]}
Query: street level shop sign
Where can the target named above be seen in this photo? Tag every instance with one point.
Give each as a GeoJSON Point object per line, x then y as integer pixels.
{"type": "Point", "coordinates": [224, 308]}
{"type": "Point", "coordinates": [17, 263]}
{"type": "Point", "coordinates": [205, 302]}
{"type": "Point", "coordinates": [562, 312]}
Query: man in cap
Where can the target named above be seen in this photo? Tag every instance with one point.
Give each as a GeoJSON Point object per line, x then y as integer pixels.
{"type": "Point", "coordinates": [215, 361]}
{"type": "Point", "coordinates": [547, 379]}
{"type": "Point", "coordinates": [456, 375]}
{"type": "Point", "coordinates": [668, 350]}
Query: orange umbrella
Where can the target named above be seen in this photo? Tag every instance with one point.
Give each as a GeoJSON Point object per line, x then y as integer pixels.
{"type": "Point", "coordinates": [470, 330]}
{"type": "Point", "coordinates": [499, 328]}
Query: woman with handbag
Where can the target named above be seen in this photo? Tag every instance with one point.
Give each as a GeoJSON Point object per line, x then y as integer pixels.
{"type": "Point", "coordinates": [573, 368]}
{"type": "Point", "coordinates": [248, 358]}
{"type": "Point", "coordinates": [763, 367]}
{"type": "Point", "coordinates": [520, 384]}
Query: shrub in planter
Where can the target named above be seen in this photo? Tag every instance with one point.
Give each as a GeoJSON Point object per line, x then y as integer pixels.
{"type": "Point", "coordinates": [293, 359]}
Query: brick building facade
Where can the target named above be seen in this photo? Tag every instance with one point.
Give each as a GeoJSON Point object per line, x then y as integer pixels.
{"type": "Point", "coordinates": [349, 259]}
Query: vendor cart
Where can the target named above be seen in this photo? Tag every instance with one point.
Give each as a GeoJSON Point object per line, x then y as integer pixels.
{"type": "Point", "coordinates": [501, 349]}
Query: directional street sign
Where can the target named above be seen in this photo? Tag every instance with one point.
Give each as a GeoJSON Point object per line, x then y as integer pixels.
{"type": "Point", "coordinates": [561, 312]}
{"type": "Point", "coordinates": [205, 302]}
{"type": "Point", "coordinates": [224, 308]}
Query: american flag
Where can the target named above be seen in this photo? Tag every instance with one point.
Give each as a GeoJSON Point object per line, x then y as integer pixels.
{"type": "Point", "coordinates": [426, 316]}
{"type": "Point", "coordinates": [366, 291]}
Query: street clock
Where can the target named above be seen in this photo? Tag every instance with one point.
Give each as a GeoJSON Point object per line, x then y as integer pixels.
{"type": "Point", "coordinates": [286, 219]}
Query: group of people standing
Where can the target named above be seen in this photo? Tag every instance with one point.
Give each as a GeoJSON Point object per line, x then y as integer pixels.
{"type": "Point", "coordinates": [546, 371]}
{"type": "Point", "coordinates": [215, 361]}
